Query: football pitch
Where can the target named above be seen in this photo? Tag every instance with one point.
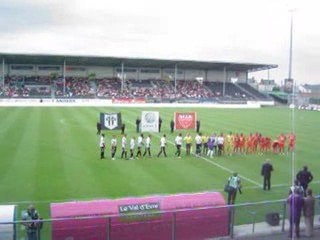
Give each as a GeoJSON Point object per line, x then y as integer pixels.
{"type": "Point", "coordinates": [52, 155]}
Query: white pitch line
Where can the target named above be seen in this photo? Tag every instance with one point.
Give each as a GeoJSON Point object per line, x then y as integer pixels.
{"type": "Point", "coordinates": [216, 164]}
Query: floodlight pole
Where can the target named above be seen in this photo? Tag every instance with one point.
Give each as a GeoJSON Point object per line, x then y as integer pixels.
{"type": "Point", "coordinates": [3, 71]}
{"type": "Point", "coordinates": [292, 103]}
{"type": "Point", "coordinates": [290, 49]}
{"type": "Point", "coordinates": [64, 77]}
{"type": "Point", "coordinates": [175, 79]}
{"type": "Point", "coordinates": [224, 81]}
{"type": "Point", "coordinates": [122, 76]}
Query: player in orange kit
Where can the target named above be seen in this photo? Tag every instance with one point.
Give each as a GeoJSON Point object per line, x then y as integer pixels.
{"type": "Point", "coordinates": [292, 142]}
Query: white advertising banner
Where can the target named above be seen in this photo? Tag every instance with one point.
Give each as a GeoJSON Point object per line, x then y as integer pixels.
{"type": "Point", "coordinates": [149, 121]}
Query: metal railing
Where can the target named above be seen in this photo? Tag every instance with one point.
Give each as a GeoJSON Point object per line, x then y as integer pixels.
{"type": "Point", "coordinates": [245, 214]}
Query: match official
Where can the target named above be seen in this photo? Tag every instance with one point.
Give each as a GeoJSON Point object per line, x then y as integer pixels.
{"type": "Point", "coordinates": [266, 170]}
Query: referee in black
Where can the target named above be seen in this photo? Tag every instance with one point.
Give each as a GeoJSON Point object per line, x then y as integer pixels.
{"type": "Point", "coordinates": [266, 170]}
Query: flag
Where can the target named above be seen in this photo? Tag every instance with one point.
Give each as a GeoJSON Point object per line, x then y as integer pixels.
{"type": "Point", "coordinates": [149, 121]}
{"type": "Point", "coordinates": [186, 120]}
{"type": "Point", "coordinates": [110, 121]}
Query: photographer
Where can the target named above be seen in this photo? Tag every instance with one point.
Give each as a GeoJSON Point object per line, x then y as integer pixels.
{"type": "Point", "coordinates": [235, 185]}
{"type": "Point", "coordinates": [32, 223]}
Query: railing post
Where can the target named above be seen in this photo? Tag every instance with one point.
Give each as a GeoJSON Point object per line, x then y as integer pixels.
{"type": "Point", "coordinates": [231, 217]}
{"type": "Point", "coordinates": [109, 229]}
{"type": "Point", "coordinates": [284, 214]}
{"type": "Point", "coordinates": [173, 226]}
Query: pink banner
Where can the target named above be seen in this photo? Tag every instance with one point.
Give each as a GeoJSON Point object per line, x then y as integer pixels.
{"type": "Point", "coordinates": [148, 223]}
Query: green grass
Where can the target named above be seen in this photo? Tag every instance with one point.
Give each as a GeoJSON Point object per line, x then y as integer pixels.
{"type": "Point", "coordinates": [52, 154]}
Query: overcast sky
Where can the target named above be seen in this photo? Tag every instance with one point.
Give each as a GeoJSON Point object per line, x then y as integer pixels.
{"type": "Point", "coordinates": [252, 31]}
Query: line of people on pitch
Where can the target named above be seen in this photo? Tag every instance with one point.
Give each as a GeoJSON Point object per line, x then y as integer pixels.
{"type": "Point", "coordinates": [135, 146]}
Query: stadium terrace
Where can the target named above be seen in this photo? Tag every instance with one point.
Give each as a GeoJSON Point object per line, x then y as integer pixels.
{"type": "Point", "coordinates": [152, 80]}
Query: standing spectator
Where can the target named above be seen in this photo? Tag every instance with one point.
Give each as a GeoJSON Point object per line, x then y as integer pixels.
{"type": "Point", "coordinates": [188, 141]}
{"type": "Point", "coordinates": [266, 170]}
{"type": "Point", "coordinates": [235, 185]}
{"type": "Point", "coordinates": [123, 128]}
{"type": "Point", "coordinates": [295, 202]}
{"type": "Point", "coordinates": [124, 146]}
{"type": "Point", "coordinates": [171, 126]}
{"type": "Point", "coordinates": [297, 188]}
{"type": "Point", "coordinates": [32, 225]}
{"type": "Point", "coordinates": [138, 121]}
{"type": "Point", "coordinates": [98, 128]}
{"type": "Point", "coordinates": [160, 123]}
{"type": "Point", "coordinates": [113, 147]}
{"type": "Point", "coordinates": [304, 177]}
{"type": "Point", "coordinates": [147, 145]}
{"type": "Point", "coordinates": [308, 212]}
{"type": "Point", "coordinates": [198, 126]}
{"type": "Point", "coordinates": [102, 146]}
{"type": "Point", "coordinates": [163, 143]}
{"type": "Point", "coordinates": [178, 142]}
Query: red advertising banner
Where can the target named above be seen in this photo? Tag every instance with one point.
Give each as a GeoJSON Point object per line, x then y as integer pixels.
{"type": "Point", "coordinates": [185, 120]}
{"type": "Point", "coordinates": [128, 100]}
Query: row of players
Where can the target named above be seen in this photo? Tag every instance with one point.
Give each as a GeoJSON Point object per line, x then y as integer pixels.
{"type": "Point", "coordinates": [205, 145]}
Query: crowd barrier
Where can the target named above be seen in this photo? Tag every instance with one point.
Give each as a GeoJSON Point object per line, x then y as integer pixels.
{"type": "Point", "coordinates": [85, 102]}
{"type": "Point", "coordinates": [244, 220]}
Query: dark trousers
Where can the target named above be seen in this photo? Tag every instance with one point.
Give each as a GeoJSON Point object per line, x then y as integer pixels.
{"type": "Point", "coordinates": [294, 226]}
{"type": "Point", "coordinates": [113, 151]}
{"type": "Point", "coordinates": [205, 148]}
{"type": "Point", "coordinates": [102, 153]}
{"type": "Point", "coordinates": [188, 148]}
{"type": "Point", "coordinates": [33, 235]}
{"type": "Point", "coordinates": [139, 152]}
{"type": "Point", "coordinates": [198, 149]}
{"type": "Point", "coordinates": [131, 153]}
{"type": "Point", "coordinates": [232, 195]}
{"type": "Point", "coordinates": [124, 153]}
{"type": "Point", "coordinates": [162, 150]}
{"type": "Point", "coordinates": [220, 149]}
{"type": "Point", "coordinates": [178, 152]}
{"type": "Point", "coordinates": [147, 150]}
{"type": "Point", "coordinates": [266, 182]}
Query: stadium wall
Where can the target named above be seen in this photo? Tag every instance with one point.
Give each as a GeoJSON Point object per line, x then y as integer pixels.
{"type": "Point", "coordinates": [66, 102]}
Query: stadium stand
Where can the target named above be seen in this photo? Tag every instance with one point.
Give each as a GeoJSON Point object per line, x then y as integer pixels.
{"type": "Point", "coordinates": [163, 90]}
{"type": "Point", "coordinates": [252, 91]}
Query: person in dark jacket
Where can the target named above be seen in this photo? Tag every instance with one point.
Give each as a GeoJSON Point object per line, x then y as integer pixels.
{"type": "Point", "coordinates": [98, 128]}
{"type": "Point", "coordinates": [198, 125]}
{"type": "Point", "coordinates": [172, 126]}
{"type": "Point", "coordinates": [304, 177]}
{"type": "Point", "coordinates": [266, 170]}
{"type": "Point", "coordinates": [138, 121]}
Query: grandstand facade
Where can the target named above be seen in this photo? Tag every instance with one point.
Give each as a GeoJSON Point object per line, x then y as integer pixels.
{"type": "Point", "coordinates": [26, 75]}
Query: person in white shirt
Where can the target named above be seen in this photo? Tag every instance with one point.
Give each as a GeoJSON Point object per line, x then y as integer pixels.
{"type": "Point", "coordinates": [102, 146]}
{"type": "Point", "coordinates": [124, 146]}
{"type": "Point", "coordinates": [220, 143]}
{"type": "Point", "coordinates": [113, 147]}
{"type": "Point", "coordinates": [163, 143]}
{"type": "Point", "coordinates": [132, 145]}
{"type": "Point", "coordinates": [147, 145]}
{"type": "Point", "coordinates": [139, 144]}
{"type": "Point", "coordinates": [198, 140]}
{"type": "Point", "coordinates": [178, 142]}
